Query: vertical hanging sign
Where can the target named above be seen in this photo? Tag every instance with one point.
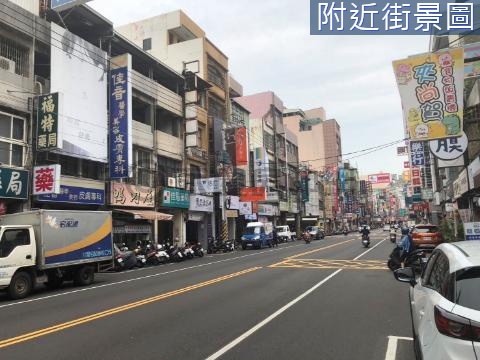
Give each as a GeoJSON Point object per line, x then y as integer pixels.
{"type": "Point", "coordinates": [120, 129]}
{"type": "Point", "coordinates": [48, 134]}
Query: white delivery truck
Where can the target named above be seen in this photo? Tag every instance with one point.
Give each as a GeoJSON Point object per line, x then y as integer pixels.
{"type": "Point", "coordinates": [52, 246]}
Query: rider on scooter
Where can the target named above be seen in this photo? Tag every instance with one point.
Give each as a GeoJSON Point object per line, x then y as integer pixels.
{"type": "Point", "coordinates": [406, 245]}
{"type": "Point", "coordinates": [365, 231]}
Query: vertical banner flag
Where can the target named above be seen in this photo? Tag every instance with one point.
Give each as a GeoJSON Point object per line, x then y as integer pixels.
{"type": "Point", "coordinates": [48, 134]}
{"type": "Point", "coordinates": [241, 146]}
{"type": "Point", "coordinates": [431, 90]}
{"type": "Point", "coordinates": [121, 121]}
{"type": "Point", "coordinates": [417, 152]}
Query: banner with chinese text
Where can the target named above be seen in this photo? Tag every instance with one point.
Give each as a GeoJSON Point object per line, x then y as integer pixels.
{"type": "Point", "coordinates": [131, 195]}
{"type": "Point", "coordinates": [46, 179]}
{"type": "Point", "coordinates": [48, 132]}
{"type": "Point", "coordinates": [13, 183]}
{"type": "Point", "coordinates": [431, 91]}
{"type": "Point", "coordinates": [120, 129]}
{"type": "Point", "coordinates": [75, 195]}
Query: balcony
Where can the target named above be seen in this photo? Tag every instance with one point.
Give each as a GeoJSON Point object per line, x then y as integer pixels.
{"type": "Point", "coordinates": [142, 135]}
{"type": "Point", "coordinates": [169, 146]}
{"type": "Point", "coordinates": [198, 154]}
{"type": "Point", "coordinates": [165, 98]}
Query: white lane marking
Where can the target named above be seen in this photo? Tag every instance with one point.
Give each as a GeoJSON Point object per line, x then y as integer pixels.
{"type": "Point", "coordinates": [142, 277]}
{"type": "Point", "coordinates": [392, 346]}
{"type": "Point", "coordinates": [264, 322]}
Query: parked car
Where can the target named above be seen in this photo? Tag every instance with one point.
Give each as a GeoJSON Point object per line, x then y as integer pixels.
{"type": "Point", "coordinates": [315, 232]}
{"type": "Point", "coordinates": [445, 304]}
{"type": "Point", "coordinates": [386, 228]}
{"type": "Point", "coordinates": [426, 236]}
{"type": "Point", "coordinates": [284, 234]}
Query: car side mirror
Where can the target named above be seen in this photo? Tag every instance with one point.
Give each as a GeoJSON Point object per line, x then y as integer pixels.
{"type": "Point", "coordinates": [405, 275]}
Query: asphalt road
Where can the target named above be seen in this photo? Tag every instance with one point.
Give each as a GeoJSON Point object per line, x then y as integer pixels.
{"type": "Point", "coordinates": [331, 299]}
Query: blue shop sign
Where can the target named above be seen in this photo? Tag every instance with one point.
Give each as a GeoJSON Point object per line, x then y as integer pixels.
{"type": "Point", "coordinates": [13, 183]}
{"type": "Point", "coordinates": [75, 195]}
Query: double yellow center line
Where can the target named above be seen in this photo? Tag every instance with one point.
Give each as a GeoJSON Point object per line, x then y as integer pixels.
{"type": "Point", "coordinates": [59, 327]}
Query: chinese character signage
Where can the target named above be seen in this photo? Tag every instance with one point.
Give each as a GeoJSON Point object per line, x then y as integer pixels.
{"type": "Point", "coordinates": [13, 183]}
{"type": "Point", "coordinates": [201, 203]}
{"type": "Point", "coordinates": [245, 208]}
{"type": "Point", "coordinates": [209, 185]}
{"type": "Point", "coordinates": [241, 146]}
{"type": "Point", "coordinates": [382, 178]}
{"type": "Point", "coordinates": [402, 150]}
{"type": "Point", "coordinates": [260, 166]}
{"type": "Point", "coordinates": [406, 164]}
{"type": "Point", "coordinates": [75, 195]}
{"type": "Point", "coordinates": [449, 148]}
{"type": "Point", "coordinates": [431, 90]}
{"type": "Point", "coordinates": [253, 194]}
{"type": "Point", "coordinates": [416, 177]}
{"type": "Point", "coordinates": [46, 179]}
{"type": "Point", "coordinates": [304, 186]}
{"type": "Point", "coordinates": [175, 198]}
{"type": "Point", "coordinates": [417, 153]}
{"type": "Point", "coordinates": [48, 134]}
{"type": "Point", "coordinates": [131, 195]}
{"type": "Point", "coordinates": [120, 123]}
{"type": "Point", "coordinates": [472, 230]}
{"type": "Point", "coordinates": [390, 18]}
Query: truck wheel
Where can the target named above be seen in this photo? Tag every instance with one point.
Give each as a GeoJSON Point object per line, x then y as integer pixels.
{"type": "Point", "coordinates": [20, 286]}
{"type": "Point", "coordinates": [54, 282]}
{"type": "Point", "coordinates": [83, 276]}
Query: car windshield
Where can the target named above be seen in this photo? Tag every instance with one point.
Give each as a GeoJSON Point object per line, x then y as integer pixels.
{"type": "Point", "coordinates": [425, 229]}
{"type": "Point", "coordinates": [468, 288]}
{"type": "Point", "coordinates": [281, 229]}
{"type": "Point", "coordinates": [311, 228]}
{"type": "Point", "coordinates": [252, 230]}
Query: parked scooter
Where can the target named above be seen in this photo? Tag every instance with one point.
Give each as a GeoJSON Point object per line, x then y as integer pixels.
{"type": "Point", "coordinates": [365, 240]}
{"type": "Point", "coordinates": [345, 232]}
{"type": "Point", "coordinates": [228, 246]}
{"type": "Point", "coordinates": [214, 246]}
{"type": "Point", "coordinates": [198, 250]}
{"type": "Point", "coordinates": [174, 252]}
{"type": "Point", "coordinates": [187, 251]}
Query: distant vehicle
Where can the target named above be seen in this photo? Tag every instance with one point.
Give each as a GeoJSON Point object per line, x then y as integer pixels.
{"type": "Point", "coordinates": [284, 234]}
{"type": "Point", "coordinates": [386, 228]}
{"type": "Point", "coordinates": [315, 232]}
{"type": "Point", "coordinates": [445, 303]}
{"type": "Point", "coordinates": [426, 236]}
{"type": "Point", "coordinates": [395, 226]}
{"type": "Point", "coordinates": [257, 235]}
{"type": "Point", "coordinates": [51, 246]}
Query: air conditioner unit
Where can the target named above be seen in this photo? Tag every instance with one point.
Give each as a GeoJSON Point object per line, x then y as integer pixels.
{"type": "Point", "coordinates": [7, 64]}
{"type": "Point", "coordinates": [171, 182]}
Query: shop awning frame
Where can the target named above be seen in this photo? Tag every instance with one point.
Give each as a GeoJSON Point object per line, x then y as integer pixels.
{"type": "Point", "coordinates": [147, 214]}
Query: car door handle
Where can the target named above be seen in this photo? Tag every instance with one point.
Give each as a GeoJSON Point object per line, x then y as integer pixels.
{"type": "Point", "coordinates": [29, 257]}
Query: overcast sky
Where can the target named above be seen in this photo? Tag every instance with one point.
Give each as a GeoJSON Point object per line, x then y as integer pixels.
{"type": "Point", "coordinates": [269, 48]}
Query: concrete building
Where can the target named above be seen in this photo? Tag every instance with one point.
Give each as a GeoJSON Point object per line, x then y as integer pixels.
{"type": "Point", "coordinates": [275, 155]}
{"type": "Point", "coordinates": [178, 41]}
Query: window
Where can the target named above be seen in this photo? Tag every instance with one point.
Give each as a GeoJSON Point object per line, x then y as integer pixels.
{"type": "Point", "coordinates": [14, 58]}
{"type": "Point", "coordinates": [147, 44]}
{"type": "Point", "coordinates": [468, 288]}
{"type": "Point", "coordinates": [143, 170]}
{"type": "Point", "coordinates": [167, 167]}
{"type": "Point", "coordinates": [12, 139]}
{"type": "Point", "coordinates": [195, 173]}
{"type": "Point", "coordinates": [216, 73]}
{"type": "Point", "coordinates": [167, 122]}
{"type": "Point", "coordinates": [11, 239]}
{"type": "Point", "coordinates": [439, 278]}
{"type": "Point", "coordinates": [216, 108]}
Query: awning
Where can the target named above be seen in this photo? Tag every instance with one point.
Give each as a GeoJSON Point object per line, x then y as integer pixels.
{"type": "Point", "coordinates": [147, 214]}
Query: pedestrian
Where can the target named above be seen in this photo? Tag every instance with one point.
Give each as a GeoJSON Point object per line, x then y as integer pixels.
{"type": "Point", "coordinates": [275, 237]}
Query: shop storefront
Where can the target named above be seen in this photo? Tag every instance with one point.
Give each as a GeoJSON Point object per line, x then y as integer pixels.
{"type": "Point", "coordinates": [176, 202]}
{"type": "Point", "coordinates": [134, 215]}
{"type": "Point", "coordinates": [199, 217]}
{"type": "Point", "coordinates": [13, 190]}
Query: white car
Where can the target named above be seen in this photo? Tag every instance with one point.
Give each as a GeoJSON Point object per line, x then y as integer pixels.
{"type": "Point", "coordinates": [445, 303]}
{"type": "Point", "coordinates": [386, 228]}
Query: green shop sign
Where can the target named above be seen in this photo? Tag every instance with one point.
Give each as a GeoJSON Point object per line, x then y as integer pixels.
{"type": "Point", "coordinates": [13, 183]}
{"type": "Point", "coordinates": [175, 198]}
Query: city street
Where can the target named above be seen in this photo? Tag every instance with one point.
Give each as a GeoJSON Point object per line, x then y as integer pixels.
{"type": "Point", "coordinates": [331, 299]}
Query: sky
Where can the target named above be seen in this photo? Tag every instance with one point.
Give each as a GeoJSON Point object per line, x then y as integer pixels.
{"type": "Point", "coordinates": [270, 48]}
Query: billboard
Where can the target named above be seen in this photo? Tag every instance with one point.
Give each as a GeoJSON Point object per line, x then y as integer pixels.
{"type": "Point", "coordinates": [382, 178]}
{"type": "Point", "coordinates": [79, 73]}
{"type": "Point", "coordinates": [122, 194]}
{"type": "Point", "coordinates": [48, 131]}
{"type": "Point", "coordinates": [431, 91]}
{"type": "Point", "coordinates": [253, 194]}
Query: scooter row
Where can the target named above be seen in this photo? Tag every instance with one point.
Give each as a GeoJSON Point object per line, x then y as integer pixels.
{"type": "Point", "coordinates": [151, 254]}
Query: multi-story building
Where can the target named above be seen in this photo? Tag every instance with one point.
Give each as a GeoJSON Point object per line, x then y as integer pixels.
{"type": "Point", "coordinates": [179, 42]}
{"type": "Point", "coordinates": [320, 146]}
{"type": "Point", "coordinates": [274, 155]}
